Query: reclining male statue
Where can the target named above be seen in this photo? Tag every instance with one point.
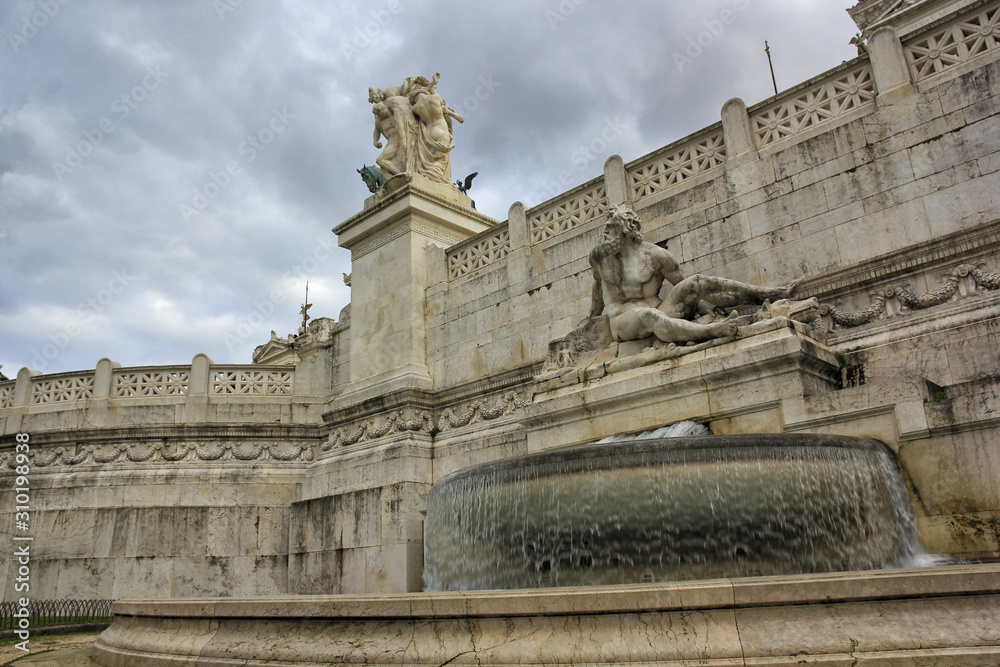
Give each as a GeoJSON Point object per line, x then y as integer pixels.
{"type": "Point", "coordinates": [628, 277]}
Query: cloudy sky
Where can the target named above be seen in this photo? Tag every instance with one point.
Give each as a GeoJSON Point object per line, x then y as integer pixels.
{"type": "Point", "coordinates": [170, 171]}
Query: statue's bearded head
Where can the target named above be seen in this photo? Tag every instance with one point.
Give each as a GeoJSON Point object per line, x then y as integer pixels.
{"type": "Point", "coordinates": [623, 224]}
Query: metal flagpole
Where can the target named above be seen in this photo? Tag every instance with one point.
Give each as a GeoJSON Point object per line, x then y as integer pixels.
{"type": "Point", "coordinates": [767, 50]}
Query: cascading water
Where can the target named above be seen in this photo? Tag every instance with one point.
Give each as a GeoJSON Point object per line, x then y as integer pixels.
{"type": "Point", "coordinates": [666, 509]}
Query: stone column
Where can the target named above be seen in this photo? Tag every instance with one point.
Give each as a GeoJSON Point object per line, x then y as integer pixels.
{"type": "Point", "coordinates": [737, 130]}
{"type": "Point", "coordinates": [745, 171]}
{"type": "Point", "coordinates": [200, 380]}
{"type": "Point", "coordinates": [103, 378]}
{"type": "Point", "coordinates": [98, 407]}
{"type": "Point", "coordinates": [196, 407]}
{"type": "Point", "coordinates": [520, 261]}
{"type": "Point", "coordinates": [517, 225]}
{"type": "Point", "coordinates": [22, 400]}
{"type": "Point", "coordinates": [616, 181]}
{"type": "Point", "coordinates": [889, 67]}
{"type": "Point", "coordinates": [22, 388]}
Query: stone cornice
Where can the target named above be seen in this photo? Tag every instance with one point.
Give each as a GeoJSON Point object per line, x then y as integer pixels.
{"type": "Point", "coordinates": [906, 16]}
{"type": "Point", "coordinates": [952, 248]}
{"type": "Point", "coordinates": [415, 399]}
{"type": "Point", "coordinates": [517, 377]}
{"type": "Point", "coordinates": [411, 189]}
{"type": "Point", "coordinates": [867, 12]}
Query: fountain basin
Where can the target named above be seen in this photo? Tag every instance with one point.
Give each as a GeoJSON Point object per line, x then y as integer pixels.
{"type": "Point", "coordinates": [670, 509]}
{"type": "Point", "coordinates": [945, 616]}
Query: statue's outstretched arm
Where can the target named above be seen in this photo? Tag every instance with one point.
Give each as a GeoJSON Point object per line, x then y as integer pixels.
{"type": "Point", "coordinates": [673, 275]}
{"type": "Point", "coordinates": [668, 266]}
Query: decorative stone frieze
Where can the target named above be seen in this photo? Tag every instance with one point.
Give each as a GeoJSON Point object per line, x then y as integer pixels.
{"type": "Point", "coordinates": [484, 409]}
{"type": "Point", "coordinates": [374, 428]}
{"type": "Point", "coordinates": [158, 451]}
{"type": "Point", "coordinates": [883, 300]}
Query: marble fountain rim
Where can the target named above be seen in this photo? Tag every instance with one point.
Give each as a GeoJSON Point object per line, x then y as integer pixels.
{"type": "Point", "coordinates": [780, 590]}
{"type": "Point", "coordinates": [691, 443]}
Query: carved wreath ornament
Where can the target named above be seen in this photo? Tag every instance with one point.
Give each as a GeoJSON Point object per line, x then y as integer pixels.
{"type": "Point", "coordinates": [952, 284]}
{"type": "Point", "coordinates": [476, 411]}
{"type": "Point", "coordinates": [144, 452]}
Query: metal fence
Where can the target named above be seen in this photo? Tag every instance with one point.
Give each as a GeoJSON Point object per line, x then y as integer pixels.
{"type": "Point", "coordinates": [56, 612]}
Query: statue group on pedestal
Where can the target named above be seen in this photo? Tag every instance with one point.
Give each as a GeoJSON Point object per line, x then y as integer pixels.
{"type": "Point", "coordinates": [416, 124]}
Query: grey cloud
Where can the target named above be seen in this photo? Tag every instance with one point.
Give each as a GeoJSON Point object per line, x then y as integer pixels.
{"type": "Point", "coordinates": [556, 85]}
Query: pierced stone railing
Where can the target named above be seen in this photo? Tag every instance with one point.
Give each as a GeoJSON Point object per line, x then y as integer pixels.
{"type": "Point", "coordinates": [240, 380]}
{"type": "Point", "coordinates": [7, 394]}
{"type": "Point", "coordinates": [62, 388]}
{"type": "Point", "coordinates": [843, 90]}
{"type": "Point", "coordinates": [676, 163]}
{"type": "Point", "coordinates": [569, 211]}
{"type": "Point", "coordinates": [478, 252]}
{"type": "Point", "coordinates": [109, 386]}
{"type": "Point", "coordinates": [147, 382]}
{"type": "Point", "coordinates": [955, 44]}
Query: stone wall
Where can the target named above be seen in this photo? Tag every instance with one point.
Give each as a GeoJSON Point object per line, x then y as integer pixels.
{"type": "Point", "coordinates": [161, 482]}
{"type": "Point", "coordinates": [876, 182]}
{"type": "Point", "coordinates": [827, 184]}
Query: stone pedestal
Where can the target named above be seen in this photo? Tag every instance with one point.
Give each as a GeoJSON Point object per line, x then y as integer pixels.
{"type": "Point", "coordinates": [358, 528]}
{"type": "Point", "coordinates": [733, 386]}
{"type": "Point", "coordinates": [390, 275]}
